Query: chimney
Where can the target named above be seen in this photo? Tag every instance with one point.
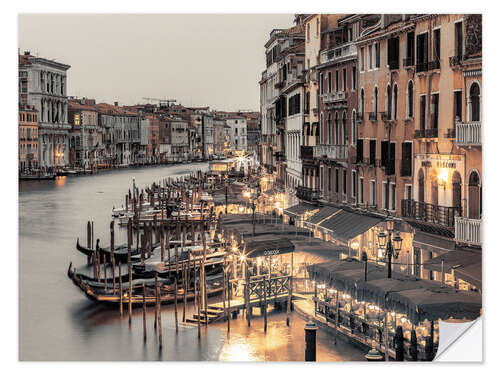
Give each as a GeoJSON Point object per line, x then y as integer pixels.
{"type": "Point", "coordinates": [116, 104]}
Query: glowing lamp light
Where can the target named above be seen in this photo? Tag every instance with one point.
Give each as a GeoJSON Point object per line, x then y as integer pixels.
{"type": "Point", "coordinates": [242, 258]}
{"type": "Point", "coordinates": [355, 245]}
{"type": "Point", "coordinates": [443, 176]}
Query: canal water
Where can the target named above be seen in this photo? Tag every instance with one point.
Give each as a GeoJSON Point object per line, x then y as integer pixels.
{"type": "Point", "coordinates": [57, 322]}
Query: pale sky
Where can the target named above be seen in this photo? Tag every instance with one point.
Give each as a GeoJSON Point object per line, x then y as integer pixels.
{"type": "Point", "coordinates": [214, 60]}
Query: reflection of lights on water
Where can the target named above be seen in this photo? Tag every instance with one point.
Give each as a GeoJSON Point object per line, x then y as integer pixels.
{"type": "Point", "coordinates": [60, 181]}
{"type": "Point", "coordinates": [237, 351]}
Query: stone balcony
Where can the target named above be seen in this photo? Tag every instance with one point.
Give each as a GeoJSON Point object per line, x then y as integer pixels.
{"type": "Point", "coordinates": [333, 152]}
{"type": "Point", "coordinates": [338, 53]}
{"type": "Point", "coordinates": [333, 97]}
{"type": "Point", "coordinates": [468, 133]}
{"type": "Point", "coordinates": [468, 230]}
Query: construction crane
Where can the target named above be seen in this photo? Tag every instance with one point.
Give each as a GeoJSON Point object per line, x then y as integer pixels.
{"type": "Point", "coordinates": [162, 101]}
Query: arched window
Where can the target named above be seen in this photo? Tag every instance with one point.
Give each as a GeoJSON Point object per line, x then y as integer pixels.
{"type": "Point", "coordinates": [354, 128]}
{"type": "Point", "coordinates": [475, 196]}
{"type": "Point", "coordinates": [337, 140]}
{"type": "Point", "coordinates": [395, 104]}
{"type": "Point", "coordinates": [362, 108]}
{"type": "Point", "coordinates": [344, 128]}
{"type": "Point", "coordinates": [456, 190]}
{"type": "Point", "coordinates": [388, 102]}
{"type": "Point", "coordinates": [329, 128]}
{"type": "Point", "coordinates": [410, 100]}
{"type": "Point", "coordinates": [475, 106]}
{"type": "Point", "coordinates": [375, 100]}
{"type": "Point", "coordinates": [322, 127]}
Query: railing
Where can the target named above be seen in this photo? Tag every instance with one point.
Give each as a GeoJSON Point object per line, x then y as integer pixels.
{"type": "Point", "coordinates": [385, 116]}
{"type": "Point", "coordinates": [468, 133]}
{"type": "Point", "coordinates": [338, 53]}
{"type": "Point", "coordinates": [408, 61]}
{"type": "Point", "coordinates": [332, 97]}
{"type": "Point", "coordinates": [372, 116]}
{"type": "Point", "coordinates": [468, 230]}
{"type": "Point", "coordinates": [429, 212]}
{"type": "Point", "coordinates": [307, 194]}
{"type": "Point", "coordinates": [434, 64]}
{"type": "Point", "coordinates": [456, 60]}
{"type": "Point", "coordinates": [431, 133]}
{"type": "Point", "coordinates": [422, 67]}
{"type": "Point", "coordinates": [450, 133]}
{"type": "Point", "coordinates": [419, 133]}
{"type": "Point", "coordinates": [393, 64]}
{"type": "Point", "coordinates": [334, 152]}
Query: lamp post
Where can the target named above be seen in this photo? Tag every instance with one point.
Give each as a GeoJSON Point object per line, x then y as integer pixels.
{"type": "Point", "coordinates": [392, 246]}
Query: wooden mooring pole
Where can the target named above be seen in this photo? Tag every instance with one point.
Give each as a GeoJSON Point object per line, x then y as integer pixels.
{"type": "Point", "coordinates": [144, 310]}
{"type": "Point", "coordinates": [121, 289]}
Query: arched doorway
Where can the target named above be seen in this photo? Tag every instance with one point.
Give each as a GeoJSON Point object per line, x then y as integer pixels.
{"type": "Point", "coordinates": [457, 191]}
{"type": "Point", "coordinates": [474, 196]}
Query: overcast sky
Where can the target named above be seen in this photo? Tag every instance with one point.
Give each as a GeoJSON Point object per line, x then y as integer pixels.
{"type": "Point", "coordinates": [199, 60]}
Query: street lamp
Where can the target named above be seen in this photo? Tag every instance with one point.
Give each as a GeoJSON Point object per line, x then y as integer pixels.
{"type": "Point", "coordinates": [389, 244]}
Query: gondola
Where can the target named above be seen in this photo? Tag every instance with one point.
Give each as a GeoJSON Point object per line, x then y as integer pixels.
{"type": "Point", "coordinates": [120, 252]}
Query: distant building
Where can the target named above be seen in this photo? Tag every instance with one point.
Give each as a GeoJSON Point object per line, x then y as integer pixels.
{"type": "Point", "coordinates": [28, 139]}
{"type": "Point", "coordinates": [43, 85]}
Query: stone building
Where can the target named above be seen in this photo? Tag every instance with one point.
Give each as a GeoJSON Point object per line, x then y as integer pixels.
{"type": "Point", "coordinates": [43, 85]}
{"type": "Point", "coordinates": [28, 139]}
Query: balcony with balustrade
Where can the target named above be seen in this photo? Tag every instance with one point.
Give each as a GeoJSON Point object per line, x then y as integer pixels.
{"type": "Point", "coordinates": [308, 194]}
{"type": "Point", "coordinates": [468, 133]}
{"type": "Point", "coordinates": [468, 231]}
{"type": "Point", "coordinates": [334, 97]}
{"type": "Point", "coordinates": [332, 152]}
{"type": "Point", "coordinates": [430, 213]}
{"type": "Point", "coordinates": [339, 53]}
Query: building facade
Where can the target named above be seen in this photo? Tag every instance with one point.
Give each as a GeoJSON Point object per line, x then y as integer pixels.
{"type": "Point", "coordinates": [43, 85]}
{"type": "Point", "coordinates": [28, 139]}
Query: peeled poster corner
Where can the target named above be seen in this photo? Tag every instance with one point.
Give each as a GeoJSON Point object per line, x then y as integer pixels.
{"type": "Point", "coordinates": [460, 342]}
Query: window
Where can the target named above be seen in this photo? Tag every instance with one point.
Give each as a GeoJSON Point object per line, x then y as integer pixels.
{"type": "Point", "coordinates": [437, 44]}
{"type": "Point", "coordinates": [337, 141]}
{"type": "Point", "coordinates": [410, 100]}
{"type": "Point", "coordinates": [435, 110]}
{"type": "Point", "coordinates": [354, 184]}
{"type": "Point", "coordinates": [373, 151]}
{"type": "Point", "coordinates": [385, 195]}
{"type": "Point", "coordinates": [354, 128]}
{"type": "Point", "coordinates": [406, 159]}
{"type": "Point", "coordinates": [336, 81]}
{"type": "Point", "coordinates": [329, 82]}
{"type": "Point", "coordinates": [395, 103]}
{"type": "Point", "coordinates": [362, 59]}
{"type": "Point", "coordinates": [321, 89]}
{"type": "Point", "coordinates": [457, 103]}
{"type": "Point", "coordinates": [308, 32]}
{"type": "Point", "coordinates": [344, 128]}
{"type": "Point", "coordinates": [393, 197]}
{"type": "Point", "coordinates": [410, 48]}
{"type": "Point", "coordinates": [458, 39]}
{"type": "Point", "coordinates": [370, 66]}
{"type": "Point", "coordinates": [329, 179]}
{"type": "Point", "coordinates": [393, 53]}
{"type": "Point", "coordinates": [344, 174]}
{"type": "Point", "coordinates": [377, 55]}
{"type": "Point", "coordinates": [317, 27]}
{"type": "Point", "coordinates": [354, 78]}
{"type": "Point", "coordinates": [329, 128]}
{"type": "Point", "coordinates": [361, 190]}
{"type": "Point", "coordinates": [422, 112]}
{"type": "Point", "coordinates": [375, 100]}
{"type": "Point", "coordinates": [422, 57]}
{"type": "Point", "coordinates": [336, 180]}
{"type": "Point", "coordinates": [344, 79]}
{"type": "Point", "coordinates": [362, 103]}
{"type": "Point", "coordinates": [359, 151]}
{"type": "Point", "coordinates": [408, 192]}
{"type": "Point", "coordinates": [475, 105]}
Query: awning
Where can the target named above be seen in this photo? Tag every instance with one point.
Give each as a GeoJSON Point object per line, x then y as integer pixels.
{"type": "Point", "coordinates": [418, 299]}
{"type": "Point", "coordinates": [324, 213]}
{"type": "Point", "coordinates": [472, 273]}
{"type": "Point", "coordinates": [430, 242]}
{"type": "Point", "coordinates": [299, 209]}
{"type": "Point", "coordinates": [256, 249]}
{"type": "Point", "coordinates": [345, 225]}
{"type": "Point", "coordinates": [453, 258]}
